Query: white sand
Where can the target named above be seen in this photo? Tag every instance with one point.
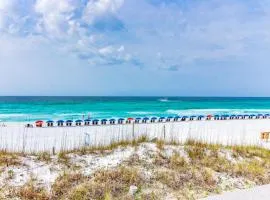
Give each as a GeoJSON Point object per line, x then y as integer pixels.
{"type": "Point", "coordinates": [15, 137]}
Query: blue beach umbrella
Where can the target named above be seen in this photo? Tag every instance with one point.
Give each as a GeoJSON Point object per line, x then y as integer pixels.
{"type": "Point", "coordinates": [170, 117]}
{"type": "Point", "coordinates": [185, 117]}
{"type": "Point", "coordinates": [121, 119]}
{"type": "Point", "coordinates": [69, 121]}
{"type": "Point", "coordinates": [201, 116]}
{"type": "Point", "coordinates": [49, 121]}
{"type": "Point", "coordinates": [78, 121]}
{"type": "Point", "coordinates": [95, 120]}
{"type": "Point", "coordinates": [162, 118]}
{"type": "Point", "coordinates": [138, 118]}
{"type": "Point", "coordinates": [87, 120]}
{"type": "Point", "coordinates": [192, 116]}
{"type": "Point", "coordinates": [154, 118]}
{"type": "Point", "coordinates": [112, 120]}
{"type": "Point", "coordinates": [104, 120]}
{"type": "Point", "coordinates": [60, 121]}
{"type": "Point", "coordinates": [145, 118]}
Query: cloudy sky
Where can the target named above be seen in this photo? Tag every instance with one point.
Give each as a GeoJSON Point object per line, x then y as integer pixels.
{"type": "Point", "coordinates": [135, 47]}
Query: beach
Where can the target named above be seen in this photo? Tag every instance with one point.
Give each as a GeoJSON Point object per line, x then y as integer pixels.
{"type": "Point", "coordinates": [15, 137]}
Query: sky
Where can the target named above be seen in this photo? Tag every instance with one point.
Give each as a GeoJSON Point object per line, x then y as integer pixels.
{"type": "Point", "coordinates": [135, 47]}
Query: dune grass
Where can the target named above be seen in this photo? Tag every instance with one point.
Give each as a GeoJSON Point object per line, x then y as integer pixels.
{"type": "Point", "coordinates": [192, 170]}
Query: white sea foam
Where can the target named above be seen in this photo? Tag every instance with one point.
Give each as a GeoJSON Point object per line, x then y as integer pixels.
{"type": "Point", "coordinates": [141, 113]}
{"type": "Point", "coordinates": [163, 100]}
{"type": "Point", "coordinates": [216, 111]}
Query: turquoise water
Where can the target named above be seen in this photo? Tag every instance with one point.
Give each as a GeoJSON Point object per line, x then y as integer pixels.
{"type": "Point", "coordinates": [34, 108]}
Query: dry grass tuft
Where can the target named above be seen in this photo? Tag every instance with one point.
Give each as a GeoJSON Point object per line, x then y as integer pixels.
{"type": "Point", "coordinates": [44, 156]}
{"type": "Point", "coordinates": [9, 159]}
{"type": "Point", "coordinates": [65, 183]}
{"type": "Point", "coordinates": [104, 184]}
{"type": "Point", "coordinates": [160, 144]}
{"type": "Point", "coordinates": [29, 191]}
{"type": "Point", "coordinates": [63, 158]}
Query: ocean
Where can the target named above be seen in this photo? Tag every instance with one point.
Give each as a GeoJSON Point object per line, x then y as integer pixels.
{"type": "Point", "coordinates": [22, 109]}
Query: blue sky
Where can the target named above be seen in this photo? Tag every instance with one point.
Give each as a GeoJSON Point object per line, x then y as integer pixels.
{"type": "Point", "coordinates": [135, 47]}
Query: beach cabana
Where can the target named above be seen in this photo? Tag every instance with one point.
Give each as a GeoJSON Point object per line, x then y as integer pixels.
{"type": "Point", "coordinates": [104, 121]}
{"type": "Point", "coordinates": [95, 122]}
{"type": "Point", "coordinates": [129, 120]}
{"type": "Point", "coordinates": [87, 122]}
{"type": "Point", "coordinates": [176, 118]}
{"type": "Point", "coordinates": [112, 121]}
{"type": "Point", "coordinates": [121, 121]}
{"type": "Point", "coordinates": [169, 119]}
{"type": "Point", "coordinates": [78, 122]}
{"type": "Point", "coordinates": [69, 122]}
{"type": "Point", "coordinates": [191, 118]}
{"type": "Point", "coordinates": [239, 117]}
{"type": "Point", "coordinates": [145, 119]}
{"type": "Point", "coordinates": [232, 116]}
{"type": "Point", "coordinates": [39, 123]}
{"type": "Point", "coordinates": [216, 117]}
{"type": "Point", "coordinates": [209, 117]}
{"type": "Point", "coordinates": [184, 118]}
{"type": "Point", "coordinates": [161, 119]}
{"type": "Point", "coordinates": [153, 119]}
{"type": "Point", "coordinates": [49, 123]}
{"type": "Point", "coordinates": [251, 116]}
{"type": "Point", "coordinates": [266, 116]}
{"type": "Point", "coordinates": [137, 120]}
{"type": "Point", "coordinates": [259, 116]}
{"type": "Point", "coordinates": [246, 116]}
{"type": "Point", "coordinates": [60, 123]}
{"type": "Point", "coordinates": [200, 117]}
{"type": "Point", "coordinates": [224, 117]}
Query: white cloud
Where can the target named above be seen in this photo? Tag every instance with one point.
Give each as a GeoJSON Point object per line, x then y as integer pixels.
{"type": "Point", "coordinates": [98, 8]}
{"type": "Point", "coordinates": [56, 16]}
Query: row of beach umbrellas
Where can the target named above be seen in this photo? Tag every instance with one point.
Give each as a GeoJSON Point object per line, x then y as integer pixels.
{"type": "Point", "coordinates": [153, 119]}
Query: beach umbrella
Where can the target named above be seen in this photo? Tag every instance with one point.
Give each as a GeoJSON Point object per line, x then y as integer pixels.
{"type": "Point", "coordinates": [49, 121]}
{"type": "Point", "coordinates": [112, 120]}
{"type": "Point", "coordinates": [87, 120]}
{"type": "Point", "coordinates": [39, 121]}
{"type": "Point", "coordinates": [170, 117]}
{"type": "Point", "coordinates": [209, 116]}
{"type": "Point", "coordinates": [78, 121]}
{"type": "Point", "coordinates": [201, 116]}
{"type": "Point", "coordinates": [121, 119]}
{"type": "Point", "coordinates": [95, 120]}
{"type": "Point", "coordinates": [145, 118]}
{"type": "Point", "coordinates": [193, 116]}
{"type": "Point", "coordinates": [216, 116]}
{"type": "Point", "coordinates": [162, 118]}
{"type": "Point", "coordinates": [69, 121]}
{"type": "Point", "coordinates": [185, 117]}
{"type": "Point", "coordinates": [60, 121]}
{"type": "Point", "coordinates": [104, 120]}
{"type": "Point", "coordinates": [154, 118]}
{"type": "Point", "coordinates": [138, 118]}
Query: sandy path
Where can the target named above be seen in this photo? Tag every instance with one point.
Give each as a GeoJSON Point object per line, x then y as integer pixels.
{"type": "Point", "coordinates": [256, 193]}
